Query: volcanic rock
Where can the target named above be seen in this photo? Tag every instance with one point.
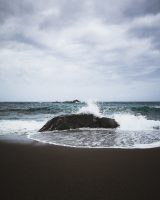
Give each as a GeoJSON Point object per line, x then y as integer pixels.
{"type": "Point", "coordinates": [74, 121]}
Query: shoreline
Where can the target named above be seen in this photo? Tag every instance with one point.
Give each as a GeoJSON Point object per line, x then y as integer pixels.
{"type": "Point", "coordinates": [23, 139]}
{"type": "Point", "coordinates": [33, 170]}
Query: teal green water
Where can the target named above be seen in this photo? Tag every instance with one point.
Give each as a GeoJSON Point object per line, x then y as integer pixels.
{"type": "Point", "coordinates": [139, 123]}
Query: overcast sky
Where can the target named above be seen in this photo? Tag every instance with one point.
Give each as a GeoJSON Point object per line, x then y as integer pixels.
{"type": "Point", "coordinates": [79, 49]}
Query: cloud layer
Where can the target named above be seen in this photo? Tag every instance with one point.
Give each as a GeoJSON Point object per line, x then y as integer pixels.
{"type": "Point", "coordinates": [66, 49]}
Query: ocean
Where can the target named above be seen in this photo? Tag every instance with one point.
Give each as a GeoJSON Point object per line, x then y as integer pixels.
{"type": "Point", "coordinates": [139, 123]}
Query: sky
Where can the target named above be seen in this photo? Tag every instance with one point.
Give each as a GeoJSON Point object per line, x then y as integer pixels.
{"type": "Point", "coordinates": [105, 50]}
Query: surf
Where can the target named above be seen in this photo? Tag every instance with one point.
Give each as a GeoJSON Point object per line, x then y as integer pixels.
{"type": "Point", "coordinates": [136, 129]}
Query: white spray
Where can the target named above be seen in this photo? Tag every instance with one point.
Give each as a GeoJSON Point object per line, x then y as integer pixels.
{"type": "Point", "coordinates": [127, 121]}
{"type": "Point", "coordinates": [131, 122]}
{"type": "Point", "coordinates": [90, 108]}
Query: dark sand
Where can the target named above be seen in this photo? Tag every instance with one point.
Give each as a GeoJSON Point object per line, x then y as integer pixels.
{"type": "Point", "coordinates": [29, 170]}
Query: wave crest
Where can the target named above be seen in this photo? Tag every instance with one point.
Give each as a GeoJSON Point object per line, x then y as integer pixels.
{"type": "Point", "coordinates": [90, 108]}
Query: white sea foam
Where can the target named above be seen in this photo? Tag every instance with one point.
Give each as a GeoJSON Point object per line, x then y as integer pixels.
{"type": "Point", "coordinates": [90, 108]}
{"type": "Point", "coordinates": [136, 146]}
{"type": "Point", "coordinates": [127, 121]}
{"type": "Point", "coordinates": [131, 122]}
{"type": "Point", "coordinates": [155, 106]}
{"type": "Point", "coordinates": [100, 138]}
{"type": "Point", "coordinates": [19, 126]}
{"type": "Point", "coordinates": [134, 131]}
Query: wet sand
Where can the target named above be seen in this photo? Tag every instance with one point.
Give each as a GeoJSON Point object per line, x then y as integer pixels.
{"type": "Point", "coordinates": [30, 170]}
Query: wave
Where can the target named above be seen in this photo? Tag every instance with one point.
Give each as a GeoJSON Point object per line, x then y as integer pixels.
{"type": "Point", "coordinates": [131, 122]}
{"type": "Point", "coordinates": [23, 110]}
{"type": "Point", "coordinates": [98, 138]}
{"type": "Point", "coordinates": [127, 121]}
{"type": "Point", "coordinates": [90, 108]}
{"type": "Point", "coordinates": [146, 108]}
{"type": "Point", "coordinates": [134, 132]}
{"type": "Point", "coordinates": [136, 129]}
{"type": "Point", "coordinates": [51, 109]}
{"type": "Point", "coordinates": [20, 127]}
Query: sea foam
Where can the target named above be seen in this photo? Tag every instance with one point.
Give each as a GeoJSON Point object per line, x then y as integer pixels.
{"type": "Point", "coordinates": [127, 121]}
{"type": "Point", "coordinates": [19, 126]}
{"type": "Point", "coordinates": [131, 122]}
{"type": "Point", "coordinates": [135, 131]}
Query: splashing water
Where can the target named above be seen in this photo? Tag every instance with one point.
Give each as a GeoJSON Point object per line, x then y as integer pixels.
{"type": "Point", "coordinates": [90, 108]}
{"type": "Point", "coordinates": [139, 124]}
{"type": "Point", "coordinates": [19, 126]}
{"type": "Point", "coordinates": [127, 121]}
{"type": "Point", "coordinates": [130, 122]}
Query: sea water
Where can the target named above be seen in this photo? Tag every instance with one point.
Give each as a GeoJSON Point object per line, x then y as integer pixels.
{"type": "Point", "coordinates": [139, 123]}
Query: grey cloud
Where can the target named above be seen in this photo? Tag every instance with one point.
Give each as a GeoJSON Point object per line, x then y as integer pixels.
{"type": "Point", "coordinates": [69, 12]}
{"type": "Point", "coordinates": [10, 8]}
{"type": "Point", "coordinates": [87, 47]}
{"type": "Point", "coordinates": [21, 38]}
{"type": "Point", "coordinates": [143, 7]}
{"type": "Point", "coordinates": [147, 27]}
{"type": "Point", "coordinates": [152, 33]}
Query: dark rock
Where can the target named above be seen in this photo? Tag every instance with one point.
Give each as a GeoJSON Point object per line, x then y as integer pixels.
{"type": "Point", "coordinates": [65, 122]}
{"type": "Point", "coordinates": [74, 101]}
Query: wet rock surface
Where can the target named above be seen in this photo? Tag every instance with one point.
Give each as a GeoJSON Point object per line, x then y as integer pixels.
{"type": "Point", "coordinates": [74, 121]}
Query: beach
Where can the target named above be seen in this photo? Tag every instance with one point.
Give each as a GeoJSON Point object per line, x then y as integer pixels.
{"type": "Point", "coordinates": [33, 170]}
{"type": "Point", "coordinates": [79, 100]}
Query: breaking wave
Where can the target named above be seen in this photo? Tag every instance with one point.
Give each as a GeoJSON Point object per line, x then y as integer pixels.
{"type": "Point", "coordinates": [136, 130]}
{"type": "Point", "coordinates": [20, 127]}
{"type": "Point", "coordinates": [131, 122]}
{"type": "Point", "coordinates": [127, 121]}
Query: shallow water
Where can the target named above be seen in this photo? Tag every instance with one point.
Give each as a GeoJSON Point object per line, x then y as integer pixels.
{"type": "Point", "coordinates": [139, 123]}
